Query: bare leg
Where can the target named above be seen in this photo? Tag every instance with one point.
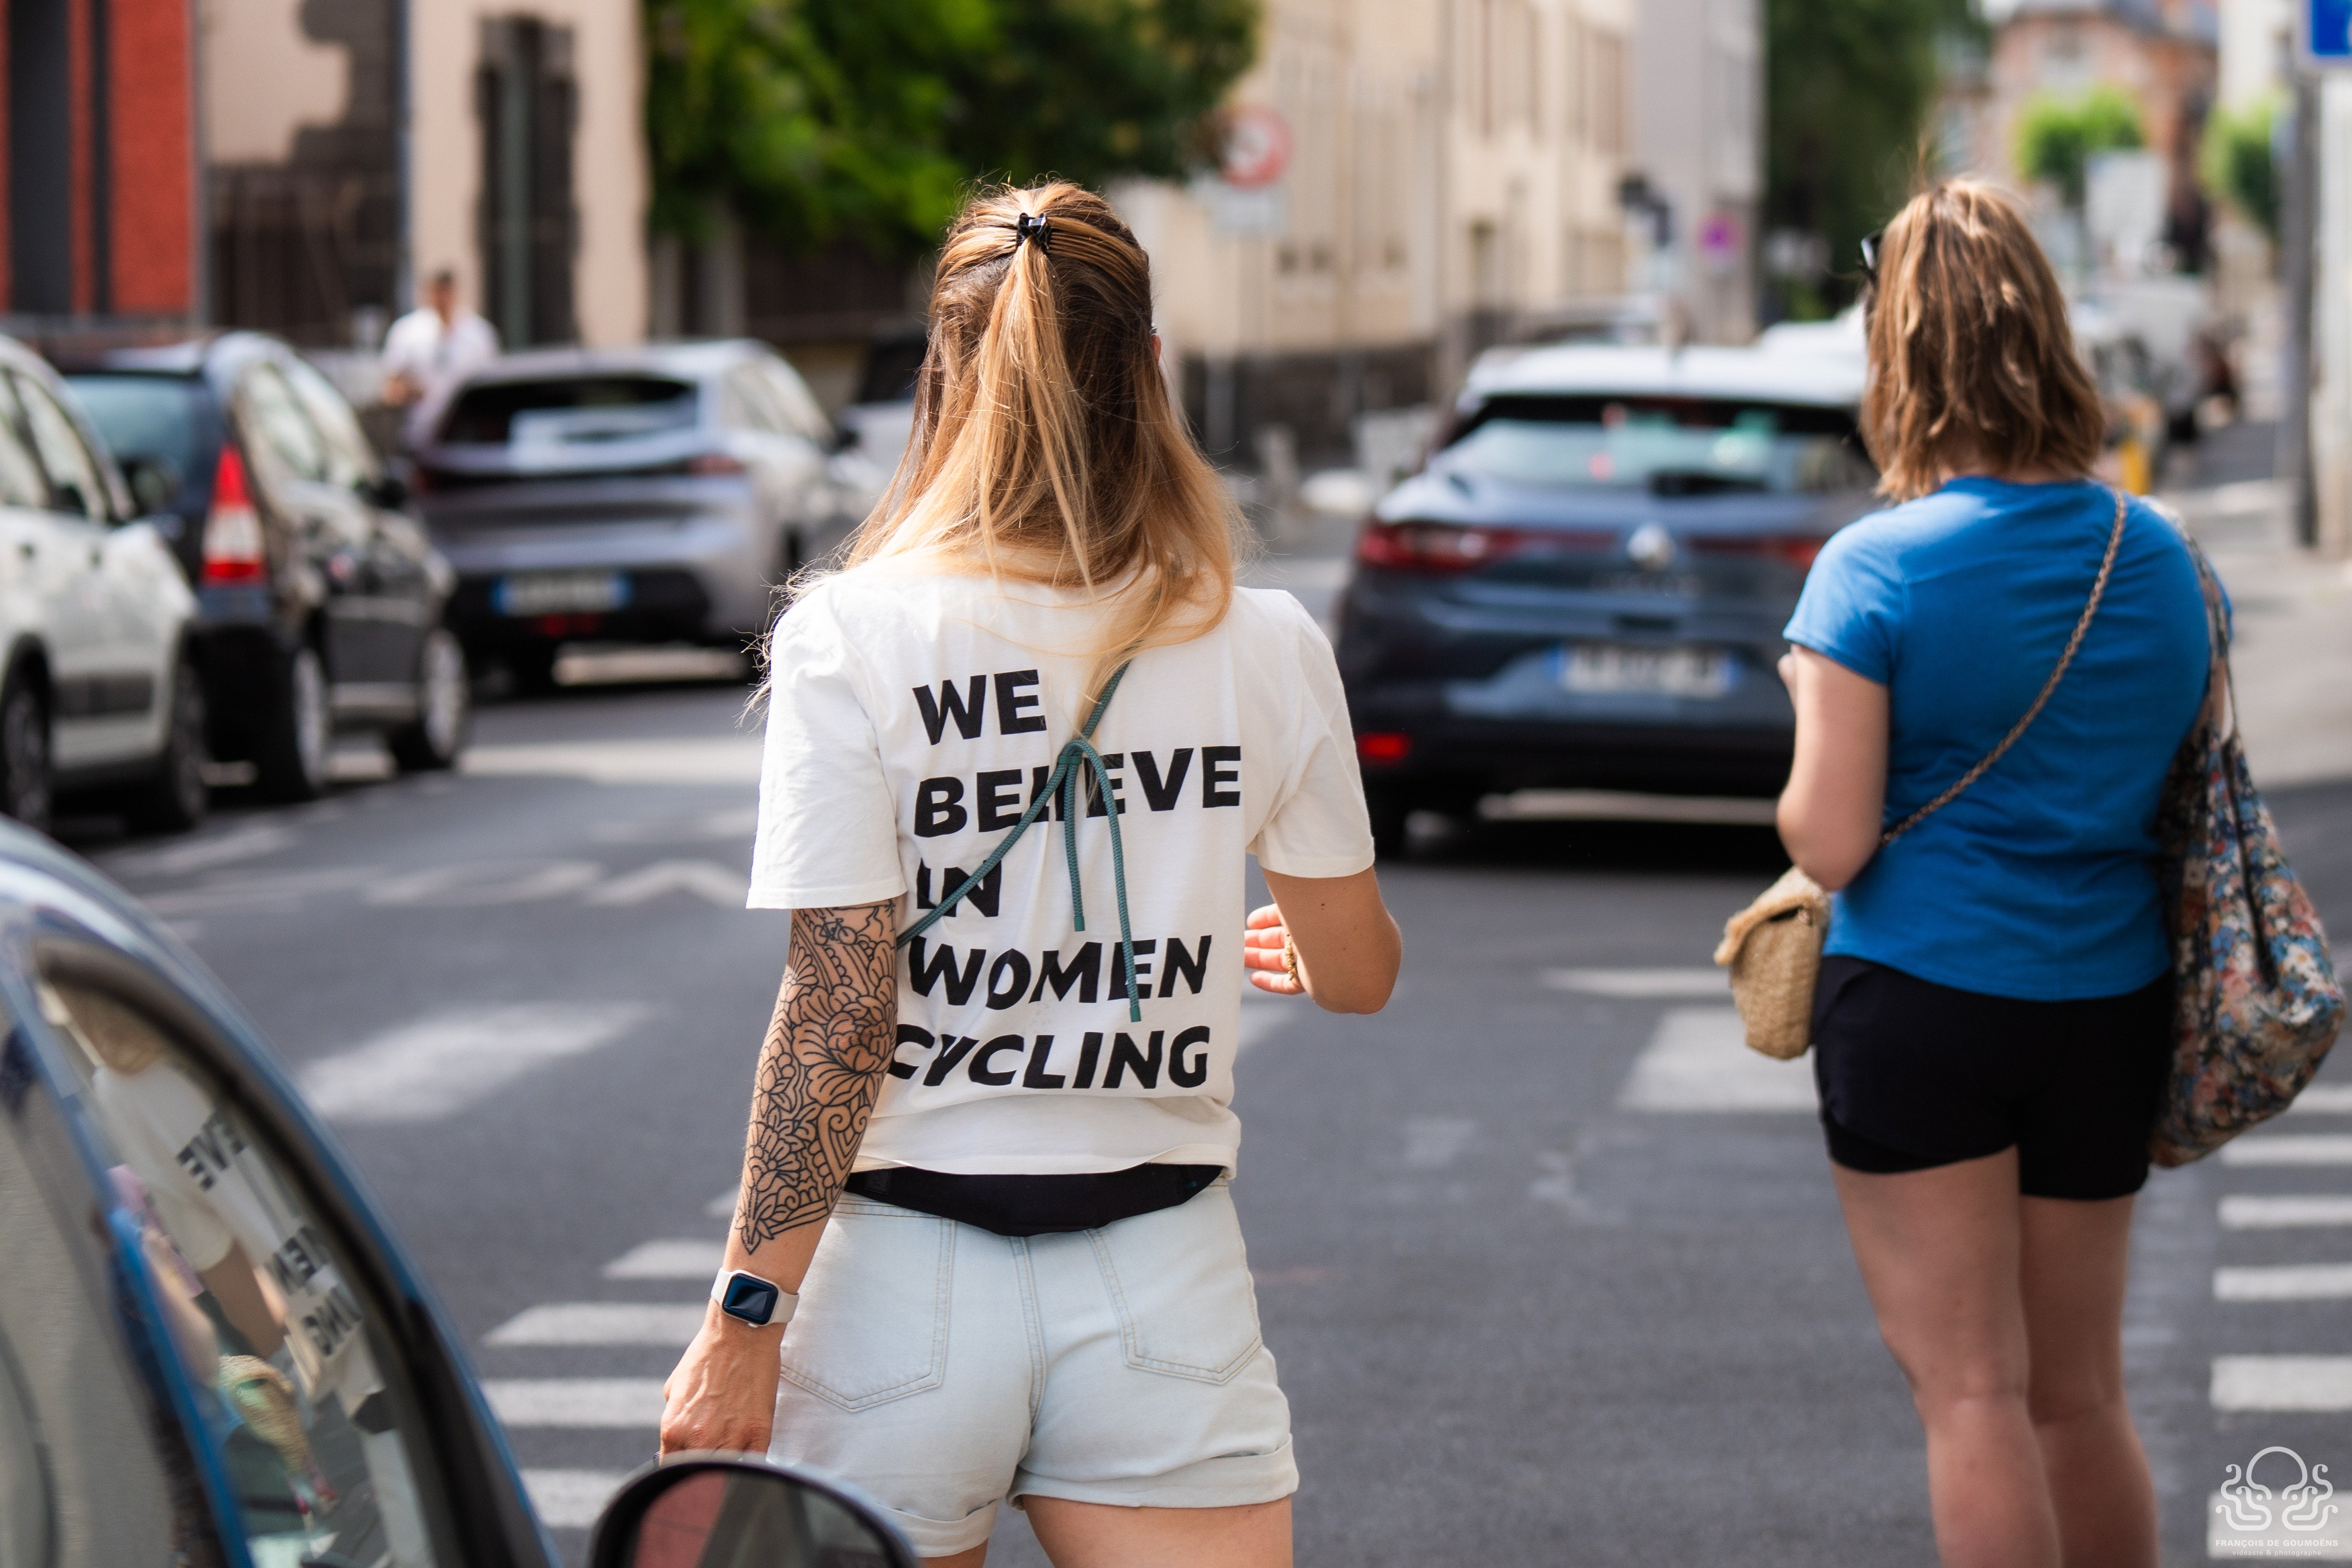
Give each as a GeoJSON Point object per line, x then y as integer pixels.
{"type": "Point", "coordinates": [971, 1559]}
{"type": "Point", "coordinates": [2075, 1256]}
{"type": "Point", "coordinates": [1097, 1535]}
{"type": "Point", "coordinates": [1940, 1251]}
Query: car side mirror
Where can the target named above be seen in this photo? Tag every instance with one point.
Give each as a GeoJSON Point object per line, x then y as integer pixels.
{"type": "Point", "coordinates": [712, 1511]}
{"type": "Point", "coordinates": [153, 482]}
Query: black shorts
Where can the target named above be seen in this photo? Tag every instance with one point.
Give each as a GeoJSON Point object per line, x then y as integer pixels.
{"type": "Point", "coordinates": [1915, 1075]}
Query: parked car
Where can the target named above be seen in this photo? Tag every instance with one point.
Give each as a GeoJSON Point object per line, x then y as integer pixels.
{"type": "Point", "coordinates": [212, 1351]}
{"type": "Point", "coordinates": [645, 495]}
{"type": "Point", "coordinates": [99, 693]}
{"type": "Point", "coordinates": [319, 600]}
{"type": "Point", "coordinates": [1584, 587]}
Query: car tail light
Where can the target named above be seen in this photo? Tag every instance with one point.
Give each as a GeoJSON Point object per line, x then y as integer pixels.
{"type": "Point", "coordinates": [234, 549]}
{"type": "Point", "coordinates": [1435, 547]}
{"type": "Point", "coordinates": [1796, 549]}
{"type": "Point", "coordinates": [713, 463]}
{"type": "Point", "coordinates": [1383, 746]}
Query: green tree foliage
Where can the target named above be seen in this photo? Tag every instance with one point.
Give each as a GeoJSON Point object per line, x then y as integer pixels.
{"type": "Point", "coordinates": [867, 118]}
{"type": "Point", "coordinates": [2238, 163]}
{"type": "Point", "coordinates": [1848, 86]}
{"type": "Point", "coordinates": [2055, 137]}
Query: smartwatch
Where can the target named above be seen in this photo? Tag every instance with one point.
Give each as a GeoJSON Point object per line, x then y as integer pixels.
{"type": "Point", "coordinates": [747, 1299]}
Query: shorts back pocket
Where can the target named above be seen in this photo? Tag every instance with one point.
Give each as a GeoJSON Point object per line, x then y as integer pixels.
{"type": "Point", "coordinates": [873, 1319]}
{"type": "Point", "coordinates": [1179, 1281]}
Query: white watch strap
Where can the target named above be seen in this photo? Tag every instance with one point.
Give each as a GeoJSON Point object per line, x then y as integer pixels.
{"type": "Point", "coordinates": [787, 1303]}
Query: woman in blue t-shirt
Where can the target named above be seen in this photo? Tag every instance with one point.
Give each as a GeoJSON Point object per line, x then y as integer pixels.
{"type": "Point", "coordinates": [1991, 1019]}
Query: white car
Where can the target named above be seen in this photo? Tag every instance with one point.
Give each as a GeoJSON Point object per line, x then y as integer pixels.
{"type": "Point", "coordinates": [98, 692]}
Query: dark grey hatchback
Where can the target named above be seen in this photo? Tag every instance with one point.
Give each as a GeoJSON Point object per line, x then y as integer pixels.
{"type": "Point", "coordinates": [1584, 587]}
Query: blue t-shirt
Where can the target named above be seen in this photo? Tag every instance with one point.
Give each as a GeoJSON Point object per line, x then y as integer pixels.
{"type": "Point", "coordinates": [2039, 880]}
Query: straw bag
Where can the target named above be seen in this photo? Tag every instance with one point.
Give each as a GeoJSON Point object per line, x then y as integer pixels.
{"type": "Point", "coordinates": [2255, 1000]}
{"type": "Point", "coordinates": [1773, 947]}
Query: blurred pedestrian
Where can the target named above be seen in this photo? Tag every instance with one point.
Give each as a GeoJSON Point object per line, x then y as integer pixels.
{"type": "Point", "coordinates": [430, 351]}
{"type": "Point", "coordinates": [1992, 1022]}
{"type": "Point", "coordinates": [1034, 1287]}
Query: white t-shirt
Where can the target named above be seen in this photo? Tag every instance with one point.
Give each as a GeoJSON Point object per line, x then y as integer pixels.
{"type": "Point", "coordinates": [912, 714]}
{"type": "Point", "coordinates": [438, 358]}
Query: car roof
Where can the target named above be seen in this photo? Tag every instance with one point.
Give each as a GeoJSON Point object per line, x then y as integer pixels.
{"type": "Point", "coordinates": [688, 360]}
{"type": "Point", "coordinates": [1603, 370]}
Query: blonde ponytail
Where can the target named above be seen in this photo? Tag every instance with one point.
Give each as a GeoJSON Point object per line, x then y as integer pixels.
{"type": "Point", "coordinates": [1045, 448]}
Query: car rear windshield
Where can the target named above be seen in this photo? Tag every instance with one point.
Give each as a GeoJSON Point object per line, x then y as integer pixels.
{"type": "Point", "coordinates": [569, 409]}
{"type": "Point", "coordinates": [153, 416]}
{"type": "Point", "coordinates": [1669, 445]}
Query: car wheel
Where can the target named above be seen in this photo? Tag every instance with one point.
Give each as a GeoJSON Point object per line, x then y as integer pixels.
{"type": "Point", "coordinates": [24, 757]}
{"type": "Point", "coordinates": [292, 760]}
{"type": "Point", "coordinates": [177, 797]}
{"type": "Point", "coordinates": [445, 708]}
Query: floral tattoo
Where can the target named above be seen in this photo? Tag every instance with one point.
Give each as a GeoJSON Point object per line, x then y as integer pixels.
{"type": "Point", "coordinates": [828, 1046]}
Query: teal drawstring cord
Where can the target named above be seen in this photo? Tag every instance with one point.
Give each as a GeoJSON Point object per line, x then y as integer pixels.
{"type": "Point", "coordinates": [1074, 757]}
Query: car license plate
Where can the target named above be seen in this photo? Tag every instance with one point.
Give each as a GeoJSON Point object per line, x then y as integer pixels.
{"type": "Point", "coordinates": [1599, 668]}
{"type": "Point", "coordinates": [561, 593]}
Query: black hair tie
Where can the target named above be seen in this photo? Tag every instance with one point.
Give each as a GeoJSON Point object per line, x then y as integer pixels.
{"type": "Point", "coordinates": [1029, 226]}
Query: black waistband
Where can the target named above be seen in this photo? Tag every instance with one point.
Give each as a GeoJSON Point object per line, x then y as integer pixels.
{"type": "Point", "coordinates": [1036, 1206]}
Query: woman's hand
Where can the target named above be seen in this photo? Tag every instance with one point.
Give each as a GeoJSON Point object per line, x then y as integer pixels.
{"type": "Point", "coordinates": [1263, 946]}
{"type": "Point", "coordinates": [723, 1396]}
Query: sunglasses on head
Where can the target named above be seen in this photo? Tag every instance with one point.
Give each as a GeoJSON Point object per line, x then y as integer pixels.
{"type": "Point", "coordinates": [1869, 244]}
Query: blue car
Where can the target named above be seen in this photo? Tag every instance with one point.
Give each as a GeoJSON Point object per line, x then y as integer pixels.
{"type": "Point", "coordinates": [1584, 587]}
{"type": "Point", "coordinates": [212, 1350]}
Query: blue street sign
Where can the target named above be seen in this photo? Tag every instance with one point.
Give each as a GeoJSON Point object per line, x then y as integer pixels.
{"type": "Point", "coordinates": [2328, 32]}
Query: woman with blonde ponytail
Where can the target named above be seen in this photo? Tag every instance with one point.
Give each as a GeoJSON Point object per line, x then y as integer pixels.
{"type": "Point", "coordinates": [1019, 749]}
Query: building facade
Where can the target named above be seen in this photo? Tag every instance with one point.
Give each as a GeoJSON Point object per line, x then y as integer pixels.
{"type": "Point", "coordinates": [100, 210]}
{"type": "Point", "coordinates": [1425, 177]}
{"type": "Point", "coordinates": [1698, 149]}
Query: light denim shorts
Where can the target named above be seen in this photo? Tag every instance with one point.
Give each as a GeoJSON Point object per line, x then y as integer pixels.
{"type": "Point", "coordinates": [945, 1369]}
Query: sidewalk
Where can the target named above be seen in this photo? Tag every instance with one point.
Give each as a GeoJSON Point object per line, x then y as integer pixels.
{"type": "Point", "coordinates": [2293, 653]}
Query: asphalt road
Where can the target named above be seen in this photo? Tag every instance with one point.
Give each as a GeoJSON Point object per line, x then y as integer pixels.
{"type": "Point", "coordinates": [1553, 1270]}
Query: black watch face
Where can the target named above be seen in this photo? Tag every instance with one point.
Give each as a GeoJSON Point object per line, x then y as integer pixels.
{"type": "Point", "coordinates": [754, 1300]}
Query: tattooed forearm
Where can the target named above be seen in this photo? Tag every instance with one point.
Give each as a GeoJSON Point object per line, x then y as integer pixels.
{"type": "Point", "coordinates": [828, 1046]}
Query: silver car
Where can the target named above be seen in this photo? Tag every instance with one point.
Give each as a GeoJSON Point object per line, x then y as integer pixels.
{"type": "Point", "coordinates": [642, 495]}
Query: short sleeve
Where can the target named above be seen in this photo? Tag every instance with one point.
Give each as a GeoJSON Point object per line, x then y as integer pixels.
{"type": "Point", "coordinates": [1320, 827]}
{"type": "Point", "coordinates": [1851, 607]}
{"type": "Point", "coordinates": [827, 833]}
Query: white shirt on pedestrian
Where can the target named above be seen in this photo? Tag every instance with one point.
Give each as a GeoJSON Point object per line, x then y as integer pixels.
{"type": "Point", "coordinates": [913, 715]}
{"type": "Point", "coordinates": [438, 356]}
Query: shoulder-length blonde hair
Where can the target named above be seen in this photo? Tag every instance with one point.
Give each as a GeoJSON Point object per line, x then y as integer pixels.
{"type": "Point", "coordinates": [1045, 448]}
{"type": "Point", "coordinates": [1972, 360]}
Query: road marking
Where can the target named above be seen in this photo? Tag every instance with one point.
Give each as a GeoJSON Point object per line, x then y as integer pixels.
{"type": "Point", "coordinates": [723, 1205]}
{"type": "Point", "coordinates": [694, 827]}
{"type": "Point", "coordinates": [601, 1324]}
{"type": "Point", "coordinates": [571, 1500]}
{"type": "Point", "coordinates": [723, 760]}
{"type": "Point", "coordinates": [1434, 1143]}
{"type": "Point", "coordinates": [606, 1402]}
{"type": "Point", "coordinates": [438, 1067]}
{"type": "Point", "coordinates": [2277, 1214]}
{"type": "Point", "coordinates": [2284, 1282]}
{"type": "Point", "coordinates": [2290, 1149]}
{"type": "Point", "coordinates": [1698, 1060]}
{"type": "Point", "coordinates": [685, 1258]}
{"type": "Point", "coordinates": [704, 880]}
{"type": "Point", "coordinates": [2283, 1382]}
{"type": "Point", "coordinates": [1638, 985]}
{"type": "Point", "coordinates": [474, 883]}
{"type": "Point", "coordinates": [260, 890]}
{"type": "Point", "coordinates": [248, 842]}
{"type": "Point", "coordinates": [2325, 1098]}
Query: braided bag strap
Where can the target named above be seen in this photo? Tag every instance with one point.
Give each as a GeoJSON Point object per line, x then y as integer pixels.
{"type": "Point", "coordinates": [2017, 732]}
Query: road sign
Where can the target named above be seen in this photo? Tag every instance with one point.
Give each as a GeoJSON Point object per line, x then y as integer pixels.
{"type": "Point", "coordinates": [1257, 146]}
{"type": "Point", "coordinates": [2328, 32]}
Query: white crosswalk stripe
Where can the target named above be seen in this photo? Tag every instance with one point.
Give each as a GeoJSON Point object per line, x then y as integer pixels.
{"type": "Point", "coordinates": [2325, 1098]}
{"type": "Point", "coordinates": [576, 1402]}
{"type": "Point", "coordinates": [1698, 1060]}
{"type": "Point", "coordinates": [601, 1324]}
{"type": "Point", "coordinates": [570, 1500]}
{"type": "Point", "coordinates": [2316, 1383]}
{"type": "Point", "coordinates": [2289, 1149]}
{"type": "Point", "coordinates": [2284, 1282]}
{"type": "Point", "coordinates": [2283, 1212]}
{"type": "Point", "coordinates": [686, 1257]}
